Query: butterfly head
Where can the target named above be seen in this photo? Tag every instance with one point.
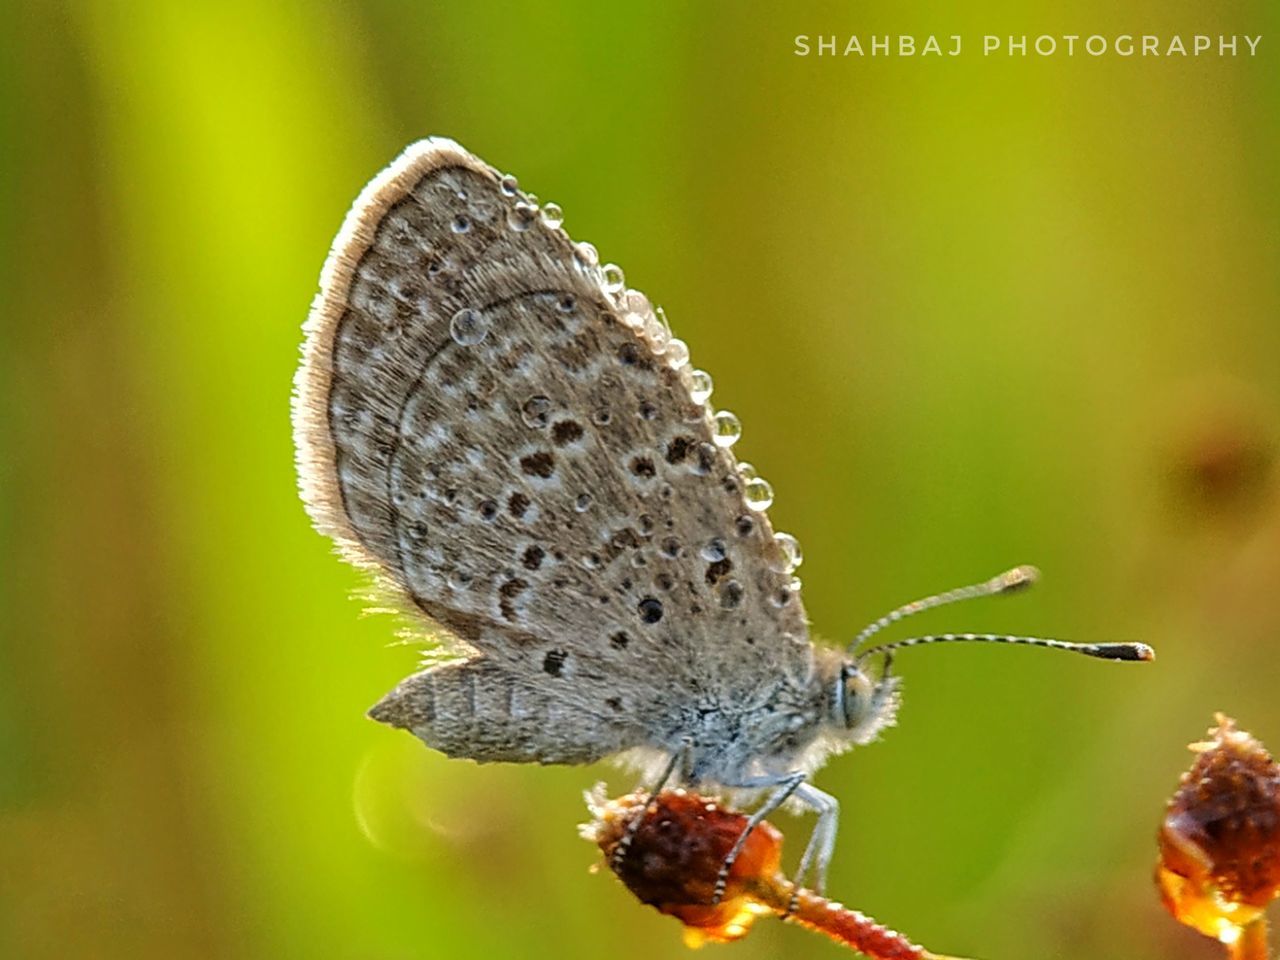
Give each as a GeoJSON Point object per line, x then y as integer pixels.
{"type": "Point", "coordinates": [863, 705]}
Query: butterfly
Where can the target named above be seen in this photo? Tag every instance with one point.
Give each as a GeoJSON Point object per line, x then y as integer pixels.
{"type": "Point", "coordinates": [514, 444]}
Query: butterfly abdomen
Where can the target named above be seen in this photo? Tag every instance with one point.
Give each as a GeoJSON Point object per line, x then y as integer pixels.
{"type": "Point", "coordinates": [475, 709]}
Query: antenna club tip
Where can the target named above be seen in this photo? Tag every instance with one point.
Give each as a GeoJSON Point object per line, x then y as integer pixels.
{"type": "Point", "coordinates": [1133, 652]}
{"type": "Point", "coordinates": [1019, 578]}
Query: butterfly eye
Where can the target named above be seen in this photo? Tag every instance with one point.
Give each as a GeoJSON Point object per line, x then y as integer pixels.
{"type": "Point", "coordinates": [857, 694]}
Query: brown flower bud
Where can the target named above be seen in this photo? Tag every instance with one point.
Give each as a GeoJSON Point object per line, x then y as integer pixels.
{"type": "Point", "coordinates": [1220, 840]}
{"type": "Point", "coordinates": [671, 857]}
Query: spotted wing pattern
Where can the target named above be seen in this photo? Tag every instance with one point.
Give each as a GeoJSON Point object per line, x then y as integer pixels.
{"type": "Point", "coordinates": [493, 424]}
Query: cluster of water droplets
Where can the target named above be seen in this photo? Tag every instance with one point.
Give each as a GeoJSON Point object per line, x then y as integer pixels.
{"type": "Point", "coordinates": [650, 322]}
{"type": "Point", "coordinates": [758, 493]}
{"type": "Point", "coordinates": [469, 327]}
{"type": "Point", "coordinates": [526, 211]}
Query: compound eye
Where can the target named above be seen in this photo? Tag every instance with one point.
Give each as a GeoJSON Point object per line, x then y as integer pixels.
{"type": "Point", "coordinates": [857, 697]}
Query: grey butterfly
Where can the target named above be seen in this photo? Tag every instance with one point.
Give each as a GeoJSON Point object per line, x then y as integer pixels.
{"type": "Point", "coordinates": [513, 443]}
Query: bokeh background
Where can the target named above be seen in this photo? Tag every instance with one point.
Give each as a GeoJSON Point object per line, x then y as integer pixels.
{"type": "Point", "coordinates": [973, 312]}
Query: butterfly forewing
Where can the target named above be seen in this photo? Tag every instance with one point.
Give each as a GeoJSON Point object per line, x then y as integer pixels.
{"type": "Point", "coordinates": [481, 421]}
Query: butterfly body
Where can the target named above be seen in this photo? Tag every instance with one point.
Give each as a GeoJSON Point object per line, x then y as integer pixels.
{"type": "Point", "coordinates": [515, 446]}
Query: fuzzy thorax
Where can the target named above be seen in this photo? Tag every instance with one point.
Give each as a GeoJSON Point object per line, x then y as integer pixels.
{"type": "Point", "coordinates": [798, 727]}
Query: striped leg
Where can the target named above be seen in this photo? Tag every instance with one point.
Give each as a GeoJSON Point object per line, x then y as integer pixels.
{"type": "Point", "coordinates": [784, 786]}
{"type": "Point", "coordinates": [682, 758]}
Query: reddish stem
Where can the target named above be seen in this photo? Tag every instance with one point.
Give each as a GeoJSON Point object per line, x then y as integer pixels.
{"type": "Point", "coordinates": [1252, 944]}
{"type": "Point", "coordinates": [845, 926]}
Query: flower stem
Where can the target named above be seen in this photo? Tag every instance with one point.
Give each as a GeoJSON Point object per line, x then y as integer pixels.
{"type": "Point", "coordinates": [845, 926]}
{"type": "Point", "coordinates": [1252, 944]}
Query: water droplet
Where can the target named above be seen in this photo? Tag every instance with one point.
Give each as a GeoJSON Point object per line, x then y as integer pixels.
{"type": "Point", "coordinates": [460, 579]}
{"type": "Point", "coordinates": [614, 281]}
{"type": "Point", "coordinates": [670, 548]}
{"type": "Point", "coordinates": [677, 353]}
{"type": "Point", "coordinates": [656, 333]}
{"type": "Point", "coordinates": [461, 224]}
{"type": "Point", "coordinates": [520, 217]}
{"type": "Point", "coordinates": [637, 302]}
{"type": "Point", "coordinates": [700, 386]}
{"type": "Point", "coordinates": [789, 556]}
{"type": "Point", "coordinates": [726, 429]}
{"type": "Point", "coordinates": [758, 493]}
{"type": "Point", "coordinates": [586, 254]}
{"type": "Point", "coordinates": [536, 411]}
{"type": "Point", "coordinates": [468, 327]}
{"type": "Point", "coordinates": [636, 309]}
{"type": "Point", "coordinates": [714, 550]}
{"type": "Point", "coordinates": [552, 215]}
{"type": "Point", "coordinates": [650, 610]}
{"type": "Point", "coordinates": [583, 503]}
{"type": "Point", "coordinates": [746, 470]}
{"type": "Point", "coordinates": [510, 186]}
{"type": "Point", "coordinates": [531, 198]}
{"type": "Point", "coordinates": [488, 510]}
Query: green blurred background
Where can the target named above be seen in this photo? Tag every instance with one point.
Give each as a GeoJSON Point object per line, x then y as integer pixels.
{"type": "Point", "coordinates": [973, 312]}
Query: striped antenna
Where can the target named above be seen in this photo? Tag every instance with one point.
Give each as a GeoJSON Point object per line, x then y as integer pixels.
{"type": "Point", "coordinates": [1103, 651]}
{"type": "Point", "coordinates": [1018, 578]}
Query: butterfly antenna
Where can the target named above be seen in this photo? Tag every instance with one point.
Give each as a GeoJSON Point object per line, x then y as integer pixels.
{"type": "Point", "coordinates": [1103, 651]}
{"type": "Point", "coordinates": [1019, 578]}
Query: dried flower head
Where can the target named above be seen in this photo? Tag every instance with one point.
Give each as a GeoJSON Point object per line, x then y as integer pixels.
{"type": "Point", "coordinates": [1220, 840]}
{"type": "Point", "coordinates": [669, 850]}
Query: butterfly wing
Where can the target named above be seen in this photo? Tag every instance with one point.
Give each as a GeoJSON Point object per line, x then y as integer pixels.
{"type": "Point", "coordinates": [488, 421]}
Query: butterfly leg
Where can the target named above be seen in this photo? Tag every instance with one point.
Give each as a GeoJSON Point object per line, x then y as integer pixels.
{"type": "Point", "coordinates": [822, 842]}
{"type": "Point", "coordinates": [783, 786]}
{"type": "Point", "coordinates": [683, 758]}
